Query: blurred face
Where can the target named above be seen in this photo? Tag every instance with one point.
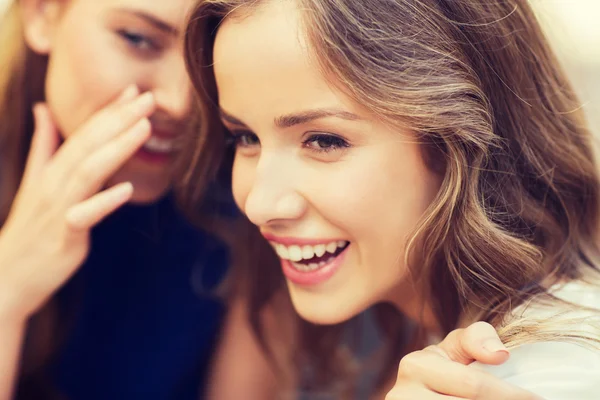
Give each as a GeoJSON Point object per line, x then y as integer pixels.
{"type": "Point", "coordinates": [96, 49]}
{"type": "Point", "coordinates": [334, 190]}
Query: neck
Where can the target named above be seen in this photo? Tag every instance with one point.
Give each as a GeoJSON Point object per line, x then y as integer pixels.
{"type": "Point", "coordinates": [410, 301]}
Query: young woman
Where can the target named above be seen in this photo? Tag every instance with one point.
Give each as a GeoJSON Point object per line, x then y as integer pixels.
{"type": "Point", "coordinates": [111, 103]}
{"type": "Point", "coordinates": [424, 154]}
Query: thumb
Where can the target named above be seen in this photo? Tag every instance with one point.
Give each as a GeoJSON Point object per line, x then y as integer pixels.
{"type": "Point", "coordinates": [44, 142]}
{"type": "Point", "coordinates": [479, 342]}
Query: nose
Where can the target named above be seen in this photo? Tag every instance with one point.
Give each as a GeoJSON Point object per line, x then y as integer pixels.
{"type": "Point", "coordinates": [273, 195]}
{"type": "Point", "coordinates": [173, 89]}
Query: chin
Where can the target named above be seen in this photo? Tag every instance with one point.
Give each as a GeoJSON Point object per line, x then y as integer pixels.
{"type": "Point", "coordinates": [323, 309]}
{"type": "Point", "coordinates": [144, 197]}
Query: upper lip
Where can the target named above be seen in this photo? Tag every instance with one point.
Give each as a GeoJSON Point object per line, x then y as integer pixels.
{"type": "Point", "coordinates": [164, 134]}
{"type": "Point", "coordinates": [289, 241]}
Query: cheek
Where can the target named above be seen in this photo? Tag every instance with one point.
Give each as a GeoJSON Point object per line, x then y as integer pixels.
{"type": "Point", "coordinates": [379, 198]}
{"type": "Point", "coordinates": [85, 75]}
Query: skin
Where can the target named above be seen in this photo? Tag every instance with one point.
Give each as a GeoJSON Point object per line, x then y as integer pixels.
{"type": "Point", "coordinates": [107, 95]}
{"type": "Point", "coordinates": [126, 42]}
{"type": "Point", "coordinates": [319, 180]}
{"type": "Point", "coordinates": [313, 165]}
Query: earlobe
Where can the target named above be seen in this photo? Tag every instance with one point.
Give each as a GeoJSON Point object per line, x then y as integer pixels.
{"type": "Point", "coordinates": [39, 17]}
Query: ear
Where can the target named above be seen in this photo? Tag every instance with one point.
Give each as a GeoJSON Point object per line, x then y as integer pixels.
{"type": "Point", "coordinates": [39, 18]}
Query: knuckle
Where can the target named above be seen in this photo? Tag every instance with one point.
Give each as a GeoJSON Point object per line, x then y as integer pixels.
{"type": "Point", "coordinates": [477, 332]}
{"type": "Point", "coordinates": [454, 336]}
{"type": "Point", "coordinates": [409, 364]}
{"type": "Point", "coordinates": [436, 349]}
{"type": "Point", "coordinates": [478, 327]}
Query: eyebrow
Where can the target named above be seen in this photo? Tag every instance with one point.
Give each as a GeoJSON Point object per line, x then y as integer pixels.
{"type": "Point", "coordinates": [303, 117]}
{"type": "Point", "coordinates": [152, 20]}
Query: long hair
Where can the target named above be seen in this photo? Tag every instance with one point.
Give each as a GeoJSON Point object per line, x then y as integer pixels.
{"type": "Point", "coordinates": [22, 78]}
{"type": "Point", "coordinates": [477, 82]}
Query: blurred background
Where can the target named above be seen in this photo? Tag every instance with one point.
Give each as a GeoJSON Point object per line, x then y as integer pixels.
{"type": "Point", "coordinates": [573, 27]}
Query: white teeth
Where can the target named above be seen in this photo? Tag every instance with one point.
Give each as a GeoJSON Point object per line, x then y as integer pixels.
{"type": "Point", "coordinates": [295, 253]}
{"type": "Point", "coordinates": [282, 251]}
{"type": "Point", "coordinates": [304, 267]}
{"type": "Point", "coordinates": [332, 247]}
{"type": "Point", "coordinates": [159, 145]}
{"type": "Point", "coordinates": [319, 250]}
{"type": "Point", "coordinates": [308, 252]}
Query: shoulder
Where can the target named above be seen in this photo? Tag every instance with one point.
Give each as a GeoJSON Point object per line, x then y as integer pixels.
{"type": "Point", "coordinates": [564, 363]}
{"type": "Point", "coordinates": [553, 370]}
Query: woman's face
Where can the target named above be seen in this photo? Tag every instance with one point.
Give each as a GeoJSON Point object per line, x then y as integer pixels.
{"type": "Point", "coordinates": [334, 190]}
{"type": "Point", "coordinates": [96, 49]}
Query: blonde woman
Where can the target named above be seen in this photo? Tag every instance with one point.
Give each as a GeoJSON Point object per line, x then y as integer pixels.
{"type": "Point", "coordinates": [427, 157]}
{"type": "Point", "coordinates": [94, 99]}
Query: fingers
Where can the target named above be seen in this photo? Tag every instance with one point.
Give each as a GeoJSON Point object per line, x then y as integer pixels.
{"type": "Point", "coordinates": [44, 143]}
{"type": "Point", "coordinates": [130, 93]}
{"type": "Point", "coordinates": [478, 342]}
{"type": "Point", "coordinates": [87, 214]}
{"type": "Point", "coordinates": [442, 375]}
{"type": "Point", "coordinates": [417, 392]}
{"type": "Point", "coordinates": [102, 128]}
{"type": "Point", "coordinates": [105, 162]}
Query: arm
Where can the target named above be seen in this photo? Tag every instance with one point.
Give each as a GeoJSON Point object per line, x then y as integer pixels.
{"type": "Point", "coordinates": [46, 235]}
{"type": "Point", "coordinates": [11, 338]}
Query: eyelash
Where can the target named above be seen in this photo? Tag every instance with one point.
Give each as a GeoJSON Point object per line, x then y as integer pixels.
{"type": "Point", "coordinates": [234, 138]}
{"type": "Point", "coordinates": [138, 41]}
{"type": "Point", "coordinates": [333, 142]}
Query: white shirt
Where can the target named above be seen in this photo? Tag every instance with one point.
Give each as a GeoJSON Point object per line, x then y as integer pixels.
{"type": "Point", "coordinates": [558, 370]}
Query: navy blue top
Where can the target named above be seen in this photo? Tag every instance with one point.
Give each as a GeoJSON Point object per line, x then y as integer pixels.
{"type": "Point", "coordinates": [143, 320]}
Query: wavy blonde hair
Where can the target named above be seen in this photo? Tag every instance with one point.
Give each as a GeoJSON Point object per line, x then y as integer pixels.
{"type": "Point", "coordinates": [478, 83]}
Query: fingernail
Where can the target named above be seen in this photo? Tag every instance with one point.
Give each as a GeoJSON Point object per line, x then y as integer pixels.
{"type": "Point", "coordinates": [145, 100]}
{"type": "Point", "coordinates": [494, 346]}
{"type": "Point", "coordinates": [129, 93]}
{"type": "Point", "coordinates": [141, 129]}
{"type": "Point", "coordinates": [35, 110]}
{"type": "Point", "coordinates": [123, 192]}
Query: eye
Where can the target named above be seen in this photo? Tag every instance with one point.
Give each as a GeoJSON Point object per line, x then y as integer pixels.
{"type": "Point", "coordinates": [244, 142]}
{"type": "Point", "coordinates": [243, 139]}
{"type": "Point", "coordinates": [138, 41]}
{"type": "Point", "coordinates": [325, 143]}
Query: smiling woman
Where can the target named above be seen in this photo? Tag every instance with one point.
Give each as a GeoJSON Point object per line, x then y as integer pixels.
{"type": "Point", "coordinates": [95, 105]}
{"type": "Point", "coordinates": [424, 154]}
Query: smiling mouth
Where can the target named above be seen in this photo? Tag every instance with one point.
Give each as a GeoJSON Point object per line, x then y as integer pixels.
{"type": "Point", "coordinates": [309, 258]}
{"type": "Point", "coordinates": [161, 145]}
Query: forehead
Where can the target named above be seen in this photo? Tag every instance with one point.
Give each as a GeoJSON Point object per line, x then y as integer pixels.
{"type": "Point", "coordinates": [172, 11]}
{"type": "Point", "coordinates": [267, 36]}
{"type": "Point", "coordinates": [263, 65]}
